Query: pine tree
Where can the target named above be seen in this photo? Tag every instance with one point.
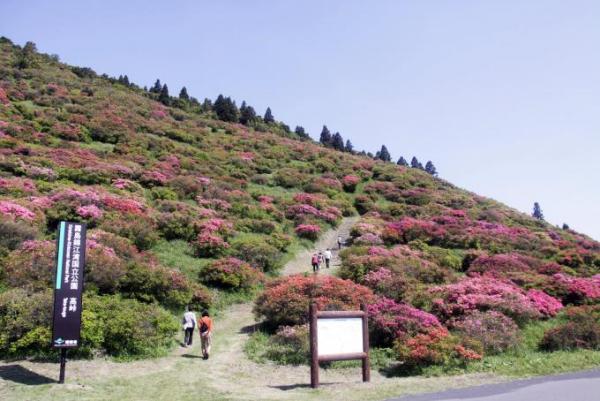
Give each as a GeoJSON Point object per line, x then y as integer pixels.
{"type": "Point", "coordinates": [565, 226]}
{"type": "Point", "coordinates": [126, 80]}
{"type": "Point", "coordinates": [537, 211]}
{"type": "Point", "coordinates": [402, 162]}
{"type": "Point", "coordinates": [430, 168]}
{"type": "Point", "coordinates": [337, 142]}
{"type": "Point", "coordinates": [157, 87]}
{"type": "Point", "coordinates": [226, 109]}
{"type": "Point", "coordinates": [163, 97]}
{"type": "Point", "coordinates": [268, 118]}
{"type": "Point", "coordinates": [299, 130]}
{"type": "Point", "coordinates": [325, 138]}
{"type": "Point", "coordinates": [207, 105]}
{"type": "Point", "coordinates": [247, 114]}
{"type": "Point", "coordinates": [415, 163]}
{"type": "Point", "coordinates": [349, 148]}
{"type": "Point", "coordinates": [183, 95]}
{"type": "Point", "coordinates": [383, 154]}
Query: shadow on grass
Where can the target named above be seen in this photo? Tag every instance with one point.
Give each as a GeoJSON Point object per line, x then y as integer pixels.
{"type": "Point", "coordinates": [252, 328]}
{"type": "Point", "coordinates": [400, 370]}
{"type": "Point", "coordinates": [288, 387]}
{"type": "Point", "coordinates": [18, 374]}
{"type": "Point", "coordinates": [192, 356]}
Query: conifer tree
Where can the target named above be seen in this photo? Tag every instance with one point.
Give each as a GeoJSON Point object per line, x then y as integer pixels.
{"type": "Point", "coordinates": [325, 138]}
{"type": "Point", "coordinates": [163, 97]}
{"type": "Point", "coordinates": [337, 142]}
{"type": "Point", "coordinates": [226, 109]}
{"type": "Point", "coordinates": [207, 105]}
{"type": "Point", "coordinates": [383, 154]}
{"type": "Point", "coordinates": [537, 211]}
{"type": "Point", "coordinates": [402, 162]}
{"type": "Point", "coordinates": [299, 130]}
{"type": "Point", "coordinates": [183, 95]}
{"type": "Point", "coordinates": [157, 87]}
{"type": "Point", "coordinates": [349, 147]}
{"type": "Point", "coordinates": [430, 168]}
{"type": "Point", "coordinates": [247, 114]}
{"type": "Point", "coordinates": [565, 226]}
{"type": "Point", "coordinates": [415, 163]}
{"type": "Point", "coordinates": [268, 118]}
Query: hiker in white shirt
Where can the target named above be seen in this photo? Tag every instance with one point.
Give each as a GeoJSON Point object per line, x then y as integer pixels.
{"type": "Point", "coordinates": [189, 324]}
{"type": "Point", "coordinates": [327, 255]}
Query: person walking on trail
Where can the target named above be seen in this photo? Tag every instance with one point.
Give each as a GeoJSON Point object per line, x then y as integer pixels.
{"type": "Point", "coordinates": [340, 242]}
{"type": "Point", "coordinates": [315, 262]}
{"type": "Point", "coordinates": [205, 328]}
{"type": "Point", "coordinates": [189, 324]}
{"type": "Point", "coordinates": [327, 255]}
{"type": "Point", "coordinates": [321, 258]}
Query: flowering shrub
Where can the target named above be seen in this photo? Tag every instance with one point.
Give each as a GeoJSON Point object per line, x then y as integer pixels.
{"type": "Point", "coordinates": [437, 347]}
{"type": "Point", "coordinates": [391, 285]}
{"type": "Point", "coordinates": [349, 182]}
{"type": "Point", "coordinates": [285, 300]}
{"type": "Point", "coordinates": [90, 211]}
{"type": "Point", "coordinates": [210, 245]}
{"type": "Point", "coordinates": [231, 273]}
{"type": "Point", "coordinates": [544, 303]}
{"type": "Point", "coordinates": [468, 295]}
{"type": "Point", "coordinates": [495, 331]}
{"type": "Point", "coordinates": [577, 290]}
{"type": "Point", "coordinates": [389, 320]}
{"type": "Point", "coordinates": [15, 211]}
{"type": "Point", "coordinates": [410, 229]}
{"type": "Point", "coordinates": [309, 231]}
{"type": "Point", "coordinates": [368, 239]}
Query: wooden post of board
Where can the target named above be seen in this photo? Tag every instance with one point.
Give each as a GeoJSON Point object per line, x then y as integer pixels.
{"type": "Point", "coordinates": [314, 352]}
{"type": "Point", "coordinates": [366, 371]}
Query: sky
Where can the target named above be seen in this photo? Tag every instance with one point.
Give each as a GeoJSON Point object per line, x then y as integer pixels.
{"type": "Point", "coordinates": [503, 96]}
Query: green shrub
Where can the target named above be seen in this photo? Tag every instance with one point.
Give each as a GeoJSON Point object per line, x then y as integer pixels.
{"type": "Point", "coordinates": [582, 330]}
{"type": "Point", "coordinates": [13, 233]}
{"type": "Point", "coordinates": [256, 251]}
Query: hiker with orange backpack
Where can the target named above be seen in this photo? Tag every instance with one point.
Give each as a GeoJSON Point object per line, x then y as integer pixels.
{"type": "Point", "coordinates": [205, 327]}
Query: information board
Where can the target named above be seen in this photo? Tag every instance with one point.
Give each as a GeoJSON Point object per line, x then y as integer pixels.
{"type": "Point", "coordinates": [68, 284]}
{"type": "Point", "coordinates": [340, 336]}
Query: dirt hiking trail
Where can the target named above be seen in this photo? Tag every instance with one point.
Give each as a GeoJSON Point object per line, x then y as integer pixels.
{"type": "Point", "coordinates": [227, 375]}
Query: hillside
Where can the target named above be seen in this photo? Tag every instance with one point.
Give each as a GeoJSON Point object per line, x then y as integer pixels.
{"type": "Point", "coordinates": [186, 209]}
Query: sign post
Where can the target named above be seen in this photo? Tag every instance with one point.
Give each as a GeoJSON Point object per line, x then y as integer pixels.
{"type": "Point", "coordinates": [68, 289]}
{"type": "Point", "coordinates": [338, 336]}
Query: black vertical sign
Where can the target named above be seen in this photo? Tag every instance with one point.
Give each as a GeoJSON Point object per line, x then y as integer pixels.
{"type": "Point", "coordinates": [68, 285]}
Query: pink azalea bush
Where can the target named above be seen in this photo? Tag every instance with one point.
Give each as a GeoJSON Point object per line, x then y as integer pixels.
{"type": "Point", "coordinates": [547, 305]}
{"type": "Point", "coordinates": [15, 211]}
{"type": "Point", "coordinates": [309, 231]}
{"type": "Point", "coordinates": [389, 320]}
{"type": "Point", "coordinates": [90, 211]}
{"type": "Point", "coordinates": [481, 293]}
{"type": "Point", "coordinates": [349, 182]}
{"type": "Point", "coordinates": [577, 290]}
{"type": "Point", "coordinates": [495, 331]}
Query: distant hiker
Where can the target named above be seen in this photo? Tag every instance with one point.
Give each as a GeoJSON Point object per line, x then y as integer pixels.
{"type": "Point", "coordinates": [315, 262]}
{"type": "Point", "coordinates": [205, 328]}
{"type": "Point", "coordinates": [321, 258]}
{"type": "Point", "coordinates": [189, 323]}
{"type": "Point", "coordinates": [327, 255]}
{"type": "Point", "coordinates": [340, 241]}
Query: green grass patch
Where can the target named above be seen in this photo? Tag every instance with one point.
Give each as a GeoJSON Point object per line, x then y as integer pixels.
{"type": "Point", "coordinates": [178, 255]}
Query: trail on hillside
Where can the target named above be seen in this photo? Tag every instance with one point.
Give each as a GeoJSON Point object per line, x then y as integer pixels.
{"type": "Point", "coordinates": [227, 375]}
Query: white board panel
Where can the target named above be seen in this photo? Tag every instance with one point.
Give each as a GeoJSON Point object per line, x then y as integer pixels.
{"type": "Point", "coordinates": [339, 336]}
